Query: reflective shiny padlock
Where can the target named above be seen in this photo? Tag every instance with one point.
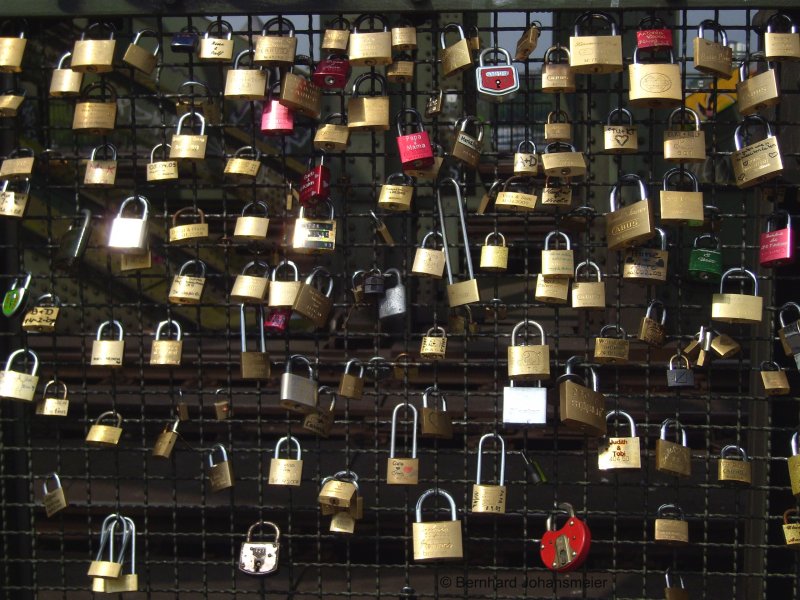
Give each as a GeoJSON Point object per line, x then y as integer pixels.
{"type": "Point", "coordinates": [655, 84]}
{"type": "Point", "coordinates": [273, 48]}
{"type": "Point", "coordinates": [217, 49]}
{"type": "Point", "coordinates": [65, 82]}
{"type": "Point", "coordinates": [189, 146]}
{"type": "Point", "coordinates": [759, 91]}
{"type": "Point", "coordinates": [734, 470]}
{"type": "Point", "coordinates": [43, 316]}
{"type": "Point", "coordinates": [370, 112]}
{"type": "Point", "coordinates": [517, 195]}
{"type": "Point", "coordinates": [335, 39]}
{"type": "Point", "coordinates": [457, 57]}
{"type": "Point", "coordinates": [251, 289]}
{"type": "Point", "coordinates": [101, 173]}
{"type": "Point", "coordinates": [94, 56]}
{"type": "Point", "coordinates": [253, 364]}
{"type": "Point", "coordinates": [713, 57]}
{"type": "Point", "coordinates": [611, 350]}
{"type": "Point", "coordinates": [490, 498]}
{"type": "Point", "coordinates": [683, 145]}
{"type": "Point", "coordinates": [673, 458]}
{"type": "Point", "coordinates": [499, 82]}
{"type": "Point", "coordinates": [167, 351]}
{"type": "Point", "coordinates": [783, 45]}
{"type": "Point", "coordinates": [565, 549]}
{"type": "Point", "coordinates": [437, 540]}
{"type": "Point", "coordinates": [402, 470]}
{"type": "Point", "coordinates": [393, 303]}
{"type": "Point", "coordinates": [774, 379]}
{"type": "Point", "coordinates": [528, 361]}
{"type": "Point", "coordinates": [260, 557]}
{"type": "Point", "coordinates": [526, 163]}
{"type": "Point", "coordinates": [249, 83]}
{"type": "Point", "coordinates": [570, 163]}
{"type": "Point", "coordinates": [220, 474]}
{"type": "Point", "coordinates": [434, 344]}
{"type": "Point", "coordinates": [51, 405]}
{"type": "Point", "coordinates": [494, 256]}
{"type": "Point", "coordinates": [252, 229]}
{"type": "Point", "coordinates": [108, 353]}
{"type": "Point", "coordinates": [588, 294]}
{"type": "Point", "coordinates": [744, 309]}
{"type": "Point", "coordinates": [244, 164]}
{"type": "Point", "coordinates": [140, 58]}
{"type": "Point", "coordinates": [651, 331]}
{"type": "Point", "coordinates": [103, 435]}
{"type": "Point", "coordinates": [286, 471]}
{"type": "Point", "coordinates": [429, 262]}
{"type": "Point", "coordinates": [164, 169]}
{"type": "Point", "coordinates": [12, 47]}
{"type": "Point", "coordinates": [20, 385]}
{"type": "Point", "coordinates": [776, 247]}
{"type": "Point", "coordinates": [95, 115]}
{"type": "Point", "coordinates": [276, 119]}
{"type": "Point", "coordinates": [629, 225]}
{"type": "Point", "coordinates": [333, 137]}
{"type": "Point", "coordinates": [299, 93]}
{"type": "Point", "coordinates": [595, 54]}
{"type": "Point", "coordinates": [558, 263]}
{"type": "Point", "coordinates": [315, 234]}
{"type": "Point", "coordinates": [647, 265]}
{"type": "Point", "coordinates": [679, 207]}
{"type": "Point", "coordinates": [670, 526]}
{"type": "Point", "coordinates": [188, 289]}
{"type": "Point", "coordinates": [436, 422]}
{"type": "Point", "coordinates": [298, 394]}
{"type": "Point", "coordinates": [558, 128]}
{"type": "Point", "coordinates": [620, 138]}
{"type": "Point", "coordinates": [557, 77]}
{"type": "Point", "coordinates": [524, 405]}
{"type": "Point", "coordinates": [620, 452]}
{"type": "Point", "coordinates": [372, 48]}
{"type": "Point", "coordinates": [282, 294]}
{"type": "Point", "coordinates": [414, 148]}
{"type": "Point", "coordinates": [396, 196]}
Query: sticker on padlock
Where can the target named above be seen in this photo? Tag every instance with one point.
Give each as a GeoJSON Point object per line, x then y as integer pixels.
{"type": "Point", "coordinates": [499, 82]}
{"type": "Point", "coordinates": [565, 549]}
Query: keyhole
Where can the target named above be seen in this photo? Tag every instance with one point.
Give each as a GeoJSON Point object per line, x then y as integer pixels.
{"type": "Point", "coordinates": [562, 556]}
{"type": "Point", "coordinates": [258, 564]}
{"type": "Point", "coordinates": [497, 83]}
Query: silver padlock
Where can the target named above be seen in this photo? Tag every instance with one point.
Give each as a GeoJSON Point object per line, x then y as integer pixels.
{"type": "Point", "coordinates": [524, 405]}
{"type": "Point", "coordinates": [298, 394]}
{"type": "Point", "coordinates": [393, 303]}
{"type": "Point", "coordinates": [129, 234]}
{"type": "Point", "coordinates": [261, 557]}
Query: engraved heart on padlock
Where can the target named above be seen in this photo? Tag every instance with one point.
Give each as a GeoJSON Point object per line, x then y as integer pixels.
{"type": "Point", "coordinates": [621, 139]}
{"type": "Point", "coordinates": [772, 155]}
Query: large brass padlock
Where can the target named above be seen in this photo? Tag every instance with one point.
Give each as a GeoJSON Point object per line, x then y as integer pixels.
{"type": "Point", "coordinates": [781, 46]}
{"type": "Point", "coordinates": [612, 350]}
{"type": "Point", "coordinates": [108, 353]}
{"type": "Point", "coordinates": [372, 48]}
{"type": "Point", "coordinates": [190, 232]}
{"type": "Point", "coordinates": [246, 83]}
{"type": "Point", "coordinates": [774, 379]}
{"type": "Point", "coordinates": [167, 351]}
{"type": "Point", "coordinates": [94, 56]}
{"type": "Point", "coordinates": [252, 229]}
{"type": "Point", "coordinates": [286, 471]}
{"type": "Point", "coordinates": [758, 92]}
{"type": "Point", "coordinates": [429, 262]}
{"type": "Point", "coordinates": [51, 405]}
{"type": "Point", "coordinates": [528, 361]}
{"type": "Point", "coordinates": [104, 435]}
{"type": "Point", "coordinates": [734, 470]}
{"type": "Point", "coordinates": [299, 93]}
{"type": "Point", "coordinates": [670, 526]}
{"type": "Point", "coordinates": [680, 207]}
{"type": "Point", "coordinates": [164, 169]}
{"type": "Point", "coordinates": [712, 57]}
{"type": "Point", "coordinates": [580, 407]}
{"type": "Point", "coordinates": [466, 146]}
{"type": "Point", "coordinates": [312, 302]}
{"type": "Point", "coordinates": [559, 264]}
{"type": "Point", "coordinates": [437, 540]}
{"type": "Point", "coordinates": [620, 452]}
{"type": "Point", "coordinates": [457, 57]}
{"type": "Point", "coordinates": [273, 49]}
{"type": "Point", "coordinates": [630, 225]}
{"type": "Point", "coordinates": [461, 292]}
{"type": "Point", "coordinates": [220, 474]}
{"type": "Point", "coordinates": [595, 54]}
{"type": "Point", "coordinates": [188, 289]}
{"type": "Point", "coordinates": [19, 385]}
{"type": "Point", "coordinates": [494, 257]}
{"type": "Point", "coordinates": [251, 289]}
{"type": "Point", "coordinates": [138, 57]}
{"type": "Point", "coordinates": [218, 49]}
{"type": "Point", "coordinates": [298, 394]}
{"type": "Point", "coordinates": [488, 498]}
{"type": "Point", "coordinates": [655, 85]}
{"type": "Point", "coordinates": [620, 138]}
{"type": "Point", "coordinates": [647, 265]}
{"type": "Point", "coordinates": [18, 164]}
{"type": "Point", "coordinates": [757, 162]}
{"type": "Point", "coordinates": [12, 49]}
{"type": "Point", "coordinates": [671, 457]}
{"type": "Point", "coordinates": [65, 82]}
{"type": "Point", "coordinates": [557, 77]}
{"type": "Point", "coordinates": [433, 346]}
{"type": "Point", "coordinates": [563, 164]}
{"type": "Point", "coordinates": [403, 470]}
{"type": "Point", "coordinates": [588, 294]}
{"type": "Point", "coordinates": [95, 116]}
{"type": "Point", "coordinates": [101, 173]}
{"type": "Point", "coordinates": [189, 146]}
{"type": "Point", "coordinates": [744, 309]}
{"type": "Point", "coordinates": [523, 200]}
{"type": "Point", "coordinates": [682, 145]}
{"type": "Point", "coordinates": [368, 113]}
{"type": "Point", "coordinates": [332, 137]}
{"type": "Point", "coordinates": [42, 317]}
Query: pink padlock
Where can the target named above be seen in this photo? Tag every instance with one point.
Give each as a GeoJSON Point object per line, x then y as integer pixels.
{"type": "Point", "coordinates": [277, 320]}
{"type": "Point", "coordinates": [415, 148]}
{"type": "Point", "coordinates": [333, 72]}
{"type": "Point", "coordinates": [276, 119]}
{"type": "Point", "coordinates": [315, 185]}
{"type": "Point", "coordinates": [777, 245]}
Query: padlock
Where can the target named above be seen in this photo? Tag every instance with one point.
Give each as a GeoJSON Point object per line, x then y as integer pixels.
{"type": "Point", "coordinates": [396, 197]}
{"type": "Point", "coordinates": [556, 130]}
{"type": "Point", "coordinates": [51, 405]}
{"type": "Point", "coordinates": [612, 350]}
{"type": "Point", "coordinates": [53, 500]}
{"type": "Point", "coordinates": [189, 146]}
{"type": "Point", "coordinates": [651, 331]}
{"type": "Point", "coordinates": [252, 229]}
{"type": "Point", "coordinates": [282, 294]}
{"type": "Point", "coordinates": [525, 163]}
{"type": "Point", "coordinates": [509, 200]}
{"type": "Point", "coordinates": [414, 148]}
{"type": "Point", "coordinates": [190, 232]}
{"type": "Point", "coordinates": [653, 33]}
{"type": "Point", "coordinates": [701, 347]}
{"type": "Point", "coordinates": [680, 207]}
{"type": "Point", "coordinates": [331, 137]}
{"type": "Point", "coordinates": [335, 39]}
{"type": "Point", "coordinates": [19, 385]}
{"type": "Point", "coordinates": [315, 182]}
{"type": "Point", "coordinates": [779, 46]}
{"type": "Point", "coordinates": [488, 498]}
{"type": "Point", "coordinates": [461, 292]}
{"type": "Point", "coordinates": [73, 243]}
{"type": "Point", "coordinates": [758, 92]}
{"type": "Point", "coordinates": [565, 549]}
{"type": "Point", "coordinates": [138, 57]}
{"type": "Point", "coordinates": [373, 48]}
{"type": "Point", "coordinates": [789, 333]}
{"type": "Point", "coordinates": [724, 345]}
{"type": "Point", "coordinates": [457, 57]}
{"type": "Point", "coordinates": [393, 303]}
{"type": "Point", "coordinates": [222, 408]}
{"type": "Point", "coordinates": [791, 531]}
{"type": "Point", "coordinates": [552, 290]}
{"type": "Point", "coordinates": [595, 54]}
{"type": "Point", "coordinates": [103, 435]}
{"type": "Point", "coordinates": [404, 36]}
{"type": "Point", "coordinates": [434, 344]}
{"type": "Point", "coordinates": [619, 138]}
{"type": "Point", "coordinates": [460, 322]}
{"type": "Point", "coordinates": [557, 77]}
{"type": "Point", "coordinates": [619, 452]}
{"type": "Point", "coordinates": [434, 103]}
{"type": "Point", "coordinates": [93, 115]}
{"type": "Point", "coordinates": [220, 474]}
{"type": "Point", "coordinates": [217, 49]}
{"type": "Point", "coordinates": [713, 58]}
{"type": "Point", "coordinates": [403, 367]}
{"type": "Point", "coordinates": [249, 83]}
{"type": "Point", "coordinates": [11, 100]}
{"type": "Point", "coordinates": [437, 540]}
{"type": "Point", "coordinates": [474, 40]}
{"type": "Point", "coordinates": [18, 164]}
{"type": "Point", "coordinates": [286, 471]}
{"type": "Point", "coordinates": [273, 49]}
{"type": "Point", "coordinates": [350, 385]}
{"type": "Point", "coordinates": [670, 526]}
{"type": "Point", "coordinates": [498, 82]}
{"type": "Point", "coordinates": [94, 56]}
{"type": "Point", "coordinates": [647, 265]}
{"type": "Point", "coordinates": [673, 458]}
{"type": "Point", "coordinates": [705, 264]}
{"type": "Point", "coordinates": [313, 303]}
{"type": "Point", "coordinates": [299, 93]}
{"type": "Point", "coordinates": [260, 557]}
{"type": "Point", "coordinates": [401, 71]}
{"type": "Point", "coordinates": [528, 361]}
{"type": "Point", "coordinates": [563, 164]}
{"type": "Point", "coordinates": [164, 169]}
{"type": "Point", "coordinates": [528, 41]}
{"type": "Point", "coordinates": [298, 394]}
{"type": "Point", "coordinates": [333, 72]}
{"type": "Point", "coordinates": [403, 471]}
{"type": "Point", "coordinates": [494, 257]}
{"type": "Point", "coordinates": [489, 196]}
{"type": "Point", "coordinates": [338, 491]}
{"type": "Point", "coordinates": [382, 229]}
{"type": "Point", "coordinates": [734, 470]}
{"type": "Point", "coordinates": [588, 294]}
{"type": "Point", "coordinates": [358, 286]}
{"type": "Point", "coordinates": [165, 442]}
{"type": "Point", "coordinates": [245, 164]}
{"type": "Point", "coordinates": [101, 173]}
{"type": "Point", "coordinates": [14, 203]}
{"type": "Point", "coordinates": [187, 100]}
{"type": "Point", "coordinates": [42, 317]}
{"type": "Point", "coordinates": [556, 193]}
{"type": "Point", "coordinates": [682, 145]}
{"type": "Point", "coordinates": [467, 147]}
{"type": "Point", "coordinates": [774, 380]}
{"type": "Point", "coordinates": [276, 119]}
{"type": "Point", "coordinates": [167, 351]}
{"type": "Point", "coordinates": [320, 421]}
{"type": "Point", "coordinates": [65, 82]}
{"type": "Point", "coordinates": [524, 405]}
{"type": "Point", "coordinates": [185, 41]}
{"type": "Point", "coordinates": [558, 264]}
{"type": "Point", "coordinates": [630, 225]}
{"type": "Point", "coordinates": [794, 467]}
{"type": "Point", "coordinates": [580, 407]}
{"type": "Point", "coordinates": [776, 248]}
{"type": "Point", "coordinates": [12, 48]}
{"type": "Point", "coordinates": [108, 353]}
{"type": "Point", "coordinates": [654, 85]}
{"type": "Point", "coordinates": [251, 289]}
{"type": "Point", "coordinates": [680, 376]}
{"type": "Point", "coordinates": [126, 582]}
{"type": "Point", "coordinates": [254, 364]}
{"type": "Point", "coordinates": [107, 565]}
{"type": "Point", "coordinates": [436, 423]}
{"type": "Point", "coordinates": [188, 289]}
{"type": "Point", "coordinates": [744, 309]}
{"type": "Point", "coordinates": [428, 262]}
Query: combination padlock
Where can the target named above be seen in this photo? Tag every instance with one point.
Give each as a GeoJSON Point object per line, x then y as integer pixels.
{"type": "Point", "coordinates": [315, 183]}
{"type": "Point", "coordinates": [565, 549]}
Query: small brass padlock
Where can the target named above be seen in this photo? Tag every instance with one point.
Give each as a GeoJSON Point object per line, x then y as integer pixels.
{"type": "Point", "coordinates": [429, 262]}
{"type": "Point", "coordinates": [103, 435]}
{"type": "Point", "coordinates": [774, 379]}
{"type": "Point", "coordinates": [51, 405]}
{"type": "Point", "coordinates": [629, 225]}
{"type": "Point", "coordinates": [191, 232]}
{"type": "Point", "coordinates": [557, 77]}
{"type": "Point", "coordinates": [759, 161]}
{"type": "Point", "coordinates": [220, 474]}
{"type": "Point", "coordinates": [94, 56]}
{"type": "Point", "coordinates": [712, 57]}
{"type": "Point", "coordinates": [138, 57]}
{"type": "Point", "coordinates": [620, 452]}
{"type": "Point", "coordinates": [758, 92]}
{"type": "Point", "coordinates": [434, 344]}
{"type": "Point", "coordinates": [403, 471]}
{"type": "Point", "coordinates": [189, 146]}
{"type": "Point", "coordinates": [612, 350]}
{"type": "Point", "coordinates": [371, 112]}
{"type": "Point", "coordinates": [404, 35]}
{"type": "Point", "coordinates": [282, 294]}
{"type": "Point", "coordinates": [557, 128]}
{"type": "Point", "coordinates": [494, 257]}
{"type": "Point", "coordinates": [351, 385]}
{"type": "Point", "coordinates": [437, 540]}
{"type": "Point", "coordinates": [651, 331]}
{"type": "Point", "coordinates": [467, 147]}
{"type": "Point", "coordinates": [320, 421]}
{"type": "Point", "coordinates": [647, 265]}
{"type": "Point", "coordinates": [108, 353]}
{"type": "Point", "coordinates": [101, 173]}
{"type": "Point", "coordinates": [671, 457]}
{"type": "Point", "coordinates": [273, 49]}
{"type": "Point", "coordinates": [11, 100]}
{"type": "Point", "coordinates": [509, 200]}
{"type": "Point", "coordinates": [620, 138]}
{"type": "Point", "coordinates": [528, 361]}
{"type": "Point", "coordinates": [166, 351]}
{"type": "Point", "coordinates": [457, 57]}
{"type": "Point", "coordinates": [488, 498]}
{"type": "Point", "coordinates": [552, 290]}
{"type": "Point", "coordinates": [744, 309]}
{"type": "Point", "coordinates": [286, 471]}
{"type": "Point", "coordinates": [165, 442]}
{"type": "Point", "coordinates": [336, 36]}
{"type": "Point", "coordinates": [559, 264]}
{"type": "Point", "coordinates": [252, 229]}
{"type": "Point", "coordinates": [251, 289]}
{"type": "Point", "coordinates": [401, 71]}
{"type": "Point", "coordinates": [54, 499]}
{"type": "Point", "coordinates": [436, 422]}
{"type": "Point", "coordinates": [244, 164]}
{"type": "Point", "coordinates": [680, 207]}
{"type": "Point", "coordinates": [95, 116]}
{"type": "Point", "coordinates": [526, 163]}
{"type": "Point", "coordinates": [563, 164]}
{"type": "Point", "coordinates": [43, 316]}
{"type": "Point", "coordinates": [682, 145]}
{"type": "Point", "coordinates": [188, 289]}
{"type": "Point", "coordinates": [672, 592]}
{"type": "Point", "coordinates": [670, 526]}
{"type": "Point", "coordinates": [164, 169]}
{"type": "Point", "coordinates": [19, 385]}
{"type": "Point", "coordinates": [734, 470]}
{"type": "Point", "coordinates": [588, 294]}
{"type": "Point", "coordinates": [332, 137]}
{"type": "Point", "coordinates": [396, 197]}
{"type": "Point", "coordinates": [595, 54]}
{"type": "Point", "coordinates": [65, 82]}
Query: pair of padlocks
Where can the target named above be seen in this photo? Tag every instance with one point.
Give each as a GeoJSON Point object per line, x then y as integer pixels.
{"type": "Point", "coordinates": [340, 497]}
{"type": "Point", "coordinates": [371, 286]}
{"type": "Point", "coordinates": [106, 570]}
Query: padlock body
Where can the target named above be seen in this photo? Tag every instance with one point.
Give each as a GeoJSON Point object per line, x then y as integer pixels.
{"type": "Point", "coordinates": [162, 170]}
{"type": "Point", "coordinates": [737, 308]}
{"type": "Point", "coordinates": [782, 46]}
{"type": "Point", "coordinates": [65, 82]}
{"type": "Point", "coordinates": [437, 540]}
{"type": "Point", "coordinates": [415, 150]}
{"type": "Point", "coordinates": [705, 265]}
{"type": "Point", "coordinates": [582, 408]}
{"type": "Point", "coordinates": [428, 263]}
{"type": "Point", "coordinates": [140, 58]}
{"type": "Point", "coordinates": [467, 149]}
{"type": "Point", "coordinates": [250, 229]}
{"type": "Point", "coordinates": [165, 444]}
{"type": "Point", "coordinates": [249, 289]}
{"type": "Point", "coordinates": [332, 74]}
{"type": "Point", "coordinates": [393, 303]}
{"type": "Point", "coordinates": [619, 453]}
{"type": "Point", "coordinates": [436, 423]}
{"type": "Point", "coordinates": [494, 258]}
{"type": "Point", "coordinates": [553, 290]}
{"type": "Point", "coordinates": [455, 58]}
{"type": "Point", "coordinates": [402, 471]}
{"type": "Point", "coordinates": [735, 471]}
{"type": "Point", "coordinates": [558, 78]}
{"type": "Point", "coordinates": [558, 263]}
{"type": "Point", "coordinates": [566, 549]}
{"type": "Point", "coordinates": [564, 164]}
{"type": "Point", "coordinates": [282, 294]}
{"type": "Point", "coordinates": [776, 248]}
{"type": "Point", "coordinates": [488, 499]}
{"type": "Point", "coordinates": [41, 319]}
{"type": "Point", "coordinates": [680, 378]}
{"type": "Point", "coordinates": [276, 119]}
{"type": "Point", "coordinates": [284, 471]}
{"type": "Point", "coordinates": [96, 118]}
{"type": "Point", "coordinates": [220, 476]}
{"type": "Point", "coordinates": [93, 56]}
{"type": "Point", "coordinates": [794, 474]}
{"type": "Point", "coordinates": [515, 202]}
{"type": "Point", "coordinates": [673, 459]}
{"type": "Point", "coordinates": [620, 139]}
{"type": "Point", "coordinates": [351, 386]}
{"type": "Point", "coordinates": [298, 394]}
{"type": "Point", "coordinates": [589, 295]}
{"type": "Point", "coordinates": [524, 405]}
{"type": "Point", "coordinates": [758, 92]}
{"type": "Point", "coordinates": [645, 265]}
{"type": "Point", "coordinates": [107, 353]}
{"type": "Point", "coordinates": [775, 383]}
{"type": "Point", "coordinates": [255, 366]}
{"type": "Point", "coordinates": [630, 225]}
{"type": "Point", "coordinates": [15, 385]}
{"type": "Point", "coordinates": [186, 289]}
{"type": "Point", "coordinates": [497, 83]}
{"type": "Point", "coordinates": [611, 351]}
{"type": "Point", "coordinates": [595, 54]}
{"type": "Point", "coordinates": [652, 332]}
{"type": "Point", "coordinates": [54, 501]}
{"type": "Point", "coordinates": [433, 347]}
{"type": "Point", "coordinates": [655, 85]}
{"type": "Point", "coordinates": [188, 147]}
{"type": "Point", "coordinates": [319, 422]}
{"type": "Point", "coordinates": [713, 58]}
{"type": "Point", "coordinates": [244, 168]}
{"type": "Point", "coordinates": [681, 207]}
{"type": "Point", "coordinates": [671, 531]}
{"type": "Point", "coordinates": [529, 362]}
{"type": "Point", "coordinates": [684, 146]}
{"type": "Point", "coordinates": [370, 49]}
{"type": "Point", "coordinates": [313, 305]}
{"type": "Point", "coordinates": [396, 197]}
{"type": "Point", "coordinates": [463, 292]}
{"type": "Point", "coordinates": [368, 113]}
{"type": "Point", "coordinates": [103, 435]}
{"type": "Point", "coordinates": [166, 352]}
{"type": "Point", "coordinates": [332, 138]}
{"type": "Point", "coordinates": [12, 50]}
{"type": "Point", "coordinates": [275, 51]}
{"type": "Point", "coordinates": [216, 49]}
{"type": "Point", "coordinates": [52, 407]}
{"type": "Point", "coordinates": [258, 558]}
{"type": "Point", "coordinates": [301, 95]}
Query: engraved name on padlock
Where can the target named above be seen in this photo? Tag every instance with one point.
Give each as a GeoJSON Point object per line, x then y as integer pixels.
{"type": "Point", "coordinates": [620, 452]}
{"type": "Point", "coordinates": [286, 471]}
{"type": "Point", "coordinates": [436, 540]}
{"type": "Point", "coordinates": [489, 498]}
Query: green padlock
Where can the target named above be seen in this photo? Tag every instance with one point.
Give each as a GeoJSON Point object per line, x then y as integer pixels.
{"type": "Point", "coordinates": [16, 297]}
{"type": "Point", "coordinates": [705, 260]}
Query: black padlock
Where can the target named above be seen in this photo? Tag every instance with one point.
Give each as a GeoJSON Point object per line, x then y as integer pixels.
{"type": "Point", "coordinates": [185, 41]}
{"type": "Point", "coordinates": [73, 243]}
{"type": "Point", "coordinates": [680, 376]}
{"type": "Point", "coordinates": [534, 469]}
{"type": "Point", "coordinates": [374, 284]}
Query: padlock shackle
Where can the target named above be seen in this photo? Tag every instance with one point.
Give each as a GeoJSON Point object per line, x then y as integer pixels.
{"type": "Point", "coordinates": [667, 509]}
{"type": "Point", "coordinates": [678, 428]}
{"type": "Point", "coordinates": [447, 28]}
{"type": "Point", "coordinates": [667, 578]}
{"type": "Point", "coordinates": [683, 111]}
{"type": "Point", "coordinates": [280, 22]}
{"type": "Point", "coordinates": [554, 50]}
{"type": "Point", "coordinates": [652, 51]}
{"type": "Point", "coordinates": [782, 16]}
{"type": "Point", "coordinates": [191, 96]}
{"type": "Point", "coordinates": [142, 201]}
{"type": "Point", "coordinates": [679, 356]}
{"type": "Point", "coordinates": [558, 114]}
{"type": "Point", "coordinates": [795, 451]}
{"type": "Point", "coordinates": [9, 23]}
{"type": "Point", "coordinates": [745, 123]}
{"type": "Point", "coordinates": [285, 263]}
{"type": "Point", "coordinates": [495, 51]}
{"type": "Point", "coordinates": [21, 151]}
{"type": "Point", "coordinates": [786, 307]}
{"type": "Point", "coordinates": [616, 190]}
{"type": "Point", "coordinates": [524, 324]}
{"type": "Point", "coordinates": [586, 17]}
{"type": "Point", "coordinates": [250, 152]}
{"type": "Point", "coordinates": [393, 436]}
{"type": "Point", "coordinates": [677, 171]}
{"type": "Point", "coordinates": [495, 235]}
{"type": "Point", "coordinates": [619, 111]}
{"type": "Point", "coordinates": [462, 217]}
{"type": "Point", "coordinates": [461, 125]}
{"type": "Point", "coordinates": [65, 56]}
{"type": "Point", "coordinates": [653, 21]}
{"type": "Point", "coordinates": [110, 323]}
{"type": "Point", "coordinates": [560, 234]}
{"type": "Point", "coordinates": [371, 17]}
{"type": "Point", "coordinates": [769, 365]}
{"type": "Point", "coordinates": [109, 413]}
{"type": "Point", "coordinates": [708, 236]}
{"type": "Point", "coordinates": [407, 179]}
{"type": "Point", "coordinates": [299, 358]}
{"type": "Point", "coordinates": [289, 439]}
{"type": "Point", "coordinates": [107, 538]}
{"type": "Point", "coordinates": [354, 362]}
{"type": "Point", "coordinates": [259, 525]}
{"type": "Point", "coordinates": [54, 300]}
{"type": "Point", "coordinates": [254, 204]}
{"type": "Point", "coordinates": [165, 152]}
{"type": "Point", "coordinates": [657, 304]}
{"type": "Point", "coordinates": [192, 114]}
{"type": "Point", "coordinates": [402, 122]}
{"type": "Point", "coordinates": [435, 492]}
{"type": "Point", "coordinates": [147, 33]}
{"type": "Point", "coordinates": [53, 476]}
{"type": "Point", "coordinates": [435, 391]}
{"type": "Point", "coordinates": [779, 214]}
{"type": "Point", "coordinates": [433, 234]}
{"type": "Point", "coordinates": [190, 210]}
{"type": "Point", "coordinates": [219, 24]}
{"type": "Point", "coordinates": [100, 24]}
{"type": "Point", "coordinates": [613, 414]}
{"type": "Point", "coordinates": [616, 327]}
{"type": "Point", "coordinates": [744, 273]}
{"type": "Point", "coordinates": [787, 513]}
{"type": "Point", "coordinates": [498, 437]}
{"type": "Point", "coordinates": [193, 262]}
{"type": "Point", "coordinates": [587, 263]}
{"type": "Point", "coordinates": [97, 85]}
{"type": "Point", "coordinates": [368, 76]}
{"type": "Point", "coordinates": [257, 263]}
{"type": "Point", "coordinates": [520, 146]}
{"type": "Point", "coordinates": [326, 390]}
{"type": "Point", "coordinates": [561, 507]}
{"type": "Point", "coordinates": [131, 541]}
{"type": "Point", "coordinates": [733, 448]}
{"type": "Point", "coordinates": [338, 21]}
{"type": "Point", "coordinates": [262, 341]}
{"type": "Point", "coordinates": [321, 272]}
{"type": "Point", "coordinates": [169, 324]}
{"type": "Point", "coordinates": [716, 28]}
{"type": "Point", "coordinates": [56, 383]}
{"type": "Point", "coordinates": [223, 453]}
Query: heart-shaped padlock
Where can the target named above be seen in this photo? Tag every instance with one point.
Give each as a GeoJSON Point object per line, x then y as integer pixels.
{"type": "Point", "coordinates": [565, 549]}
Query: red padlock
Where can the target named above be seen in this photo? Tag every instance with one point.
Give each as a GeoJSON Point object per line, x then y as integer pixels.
{"type": "Point", "coordinates": [653, 35]}
{"type": "Point", "coordinates": [415, 148]}
{"type": "Point", "coordinates": [276, 119]}
{"type": "Point", "coordinates": [333, 72]}
{"type": "Point", "coordinates": [316, 182]}
{"type": "Point", "coordinates": [498, 82]}
{"type": "Point", "coordinates": [565, 549]}
{"type": "Point", "coordinates": [777, 246]}
{"type": "Point", "coordinates": [277, 320]}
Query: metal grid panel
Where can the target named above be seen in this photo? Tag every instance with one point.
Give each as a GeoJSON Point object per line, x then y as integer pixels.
{"type": "Point", "coordinates": [189, 539]}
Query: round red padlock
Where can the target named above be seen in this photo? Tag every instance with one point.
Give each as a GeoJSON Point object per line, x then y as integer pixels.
{"type": "Point", "coordinates": [565, 549]}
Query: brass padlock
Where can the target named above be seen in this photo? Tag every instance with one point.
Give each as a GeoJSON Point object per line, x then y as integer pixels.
{"type": "Point", "coordinates": [191, 101]}
{"type": "Point", "coordinates": [528, 41]}
{"type": "Point", "coordinates": [273, 49]}
{"type": "Point", "coordinates": [734, 470]}
{"type": "Point", "coordinates": [217, 48]}
{"type": "Point", "coordinates": [744, 309]}
{"type": "Point", "coordinates": [680, 207]}
{"type": "Point", "coordinates": [789, 333]}
{"type": "Point", "coordinates": [563, 164]}
{"type": "Point", "coordinates": [619, 138]}
{"type": "Point", "coordinates": [19, 385]}
{"type": "Point", "coordinates": [433, 346]}
{"type": "Point", "coordinates": [559, 264]}
{"type": "Point", "coordinates": [282, 294]}
{"type": "Point", "coordinates": [556, 193]}
{"type": "Point", "coordinates": [401, 70]}
{"type": "Point", "coordinates": [320, 421]}
{"type": "Point", "coordinates": [588, 294]}
{"type": "Point", "coordinates": [252, 229]}
{"type": "Point", "coordinates": [758, 92]}
{"type": "Point", "coordinates": [313, 303]}
{"type": "Point", "coordinates": [675, 593]}
{"type": "Point", "coordinates": [526, 361]}
{"type": "Point", "coordinates": [794, 467]}
{"type": "Point", "coordinates": [403, 367]}
{"type": "Point", "coordinates": [53, 500]}
{"type": "Point", "coordinates": [403, 471]}
{"type": "Point", "coordinates": [467, 147]}
{"type": "Point", "coordinates": [368, 113]}
{"type": "Point", "coordinates": [11, 100]}
{"type": "Point", "coordinates": [652, 332]}
{"type": "Point", "coordinates": [338, 492]}
{"type": "Point", "coordinates": [350, 385]}
{"type": "Point", "coordinates": [332, 137]}
{"type": "Point", "coordinates": [436, 423]}
{"type": "Point", "coordinates": [713, 58]}
{"type": "Point", "coordinates": [462, 292]}
{"type": "Point", "coordinates": [139, 58]}
{"type": "Point", "coordinates": [791, 531]}
{"type": "Point", "coordinates": [126, 582]}
{"type": "Point", "coordinates": [404, 36]}
{"type": "Point", "coordinates": [222, 408]}
{"type": "Point", "coordinates": [188, 289]}
{"type": "Point", "coordinates": [397, 197]}
{"type": "Point", "coordinates": [780, 46]}
{"type": "Point", "coordinates": [525, 163]}
{"type": "Point", "coordinates": [373, 48]}
{"type": "Point", "coordinates": [671, 457]}
{"type": "Point", "coordinates": [95, 116]}
{"type": "Point", "coordinates": [286, 471]}
{"type": "Point", "coordinates": [251, 289]}
{"type": "Point", "coordinates": [18, 164]}
{"type": "Point", "coordinates": [94, 56]}
{"type": "Point", "coordinates": [556, 130]}
{"type": "Point", "coordinates": [557, 77]}
{"type": "Point", "coordinates": [429, 262]}
{"type": "Point", "coordinates": [298, 394]}
{"type": "Point", "coordinates": [335, 39]}
{"type": "Point", "coordinates": [494, 257]}
{"type": "Point", "coordinates": [457, 57]}
{"type": "Point", "coordinates": [757, 162]}
{"type": "Point", "coordinates": [101, 173]}
{"type": "Point", "coordinates": [655, 85]}
{"type": "Point", "coordinates": [552, 290]}
{"type": "Point", "coordinates": [437, 540]}
{"type": "Point", "coordinates": [680, 145]}
{"type": "Point", "coordinates": [724, 345]}
{"type": "Point", "coordinates": [260, 557]}
{"type": "Point", "coordinates": [220, 474]}
{"type": "Point", "coordinates": [42, 317]}
{"type": "Point", "coordinates": [165, 442]}
{"type": "Point", "coordinates": [298, 93]}
{"type": "Point", "coordinates": [612, 350]}
{"type": "Point", "coordinates": [191, 232]}
{"type": "Point", "coordinates": [474, 40]}
{"type": "Point", "coordinates": [51, 405]}
{"type": "Point", "coordinates": [460, 322]}
{"type": "Point", "coordinates": [488, 498]}
{"type": "Point", "coordinates": [774, 379]}
{"type": "Point", "coordinates": [509, 200]}
{"type": "Point", "coordinates": [430, 173]}
{"type": "Point", "coordinates": [106, 564]}
{"type": "Point", "coordinates": [164, 169]}
{"type": "Point", "coordinates": [108, 353]}
{"type": "Point", "coordinates": [244, 164]}
{"type": "Point", "coordinates": [670, 526]}
{"type": "Point", "coordinates": [647, 265]}
{"type": "Point", "coordinates": [65, 82]}
{"type": "Point", "coordinates": [630, 225]}
{"type": "Point", "coordinates": [167, 351]}
{"type": "Point", "coordinates": [189, 146]}
{"type": "Point", "coordinates": [105, 436]}
{"type": "Point", "coordinates": [595, 54]}
{"type": "Point", "coordinates": [12, 49]}
{"type": "Point", "coordinates": [249, 83]}
{"type": "Point", "coordinates": [620, 452]}
{"type": "Point", "coordinates": [254, 365]}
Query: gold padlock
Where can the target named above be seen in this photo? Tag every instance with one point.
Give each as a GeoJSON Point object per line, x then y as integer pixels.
{"type": "Point", "coordinates": [611, 350]}
{"type": "Point", "coordinates": [286, 471]}
{"type": "Point", "coordinates": [620, 452]}
{"type": "Point", "coordinates": [311, 302]}
{"type": "Point", "coordinates": [556, 130]}
{"type": "Point", "coordinates": [654, 85]}
{"type": "Point", "coordinates": [108, 353]}
{"type": "Point", "coordinates": [489, 196]}
{"type": "Point", "coordinates": [167, 352]}
{"type": "Point", "coordinates": [251, 289]}
{"type": "Point", "coordinates": [791, 531]}
{"type": "Point", "coordinates": [433, 346]}
{"type": "Point", "coordinates": [335, 39]}
{"type": "Point", "coordinates": [677, 206]}
{"type": "Point", "coordinates": [298, 93]}
{"type": "Point", "coordinates": [758, 92]}
{"type": "Point", "coordinates": [474, 41]}
{"type": "Point", "coordinates": [191, 232]}
{"type": "Point", "coordinates": [713, 58]}
{"type": "Point", "coordinates": [165, 442]}
{"type": "Point", "coordinates": [368, 113]}
{"type": "Point", "coordinates": [552, 290]}
{"type": "Point", "coordinates": [397, 197]}
{"type": "Point", "coordinates": [315, 234]}
{"type": "Point", "coordinates": [244, 164]}
{"type": "Point", "coordinates": [373, 48]}
{"type": "Point", "coordinates": [457, 57]}
{"type": "Point", "coordinates": [630, 225]}
{"type": "Point", "coordinates": [106, 564]}
{"type": "Point", "coordinates": [781, 46]}
{"type": "Point", "coordinates": [405, 470]}
{"type": "Point", "coordinates": [94, 56]}
{"type": "Point", "coordinates": [188, 289]}
{"type": "Point", "coordinates": [672, 592]}
{"type": "Point", "coordinates": [19, 385]}
{"type": "Point", "coordinates": [189, 146]}
{"type": "Point", "coordinates": [12, 49]}
{"type": "Point", "coordinates": [556, 193]}
{"type": "Point", "coordinates": [580, 407]}
{"type": "Point", "coordinates": [563, 164]}
{"type": "Point", "coordinates": [461, 292]}
{"type": "Point", "coordinates": [273, 49]}
{"type": "Point", "coordinates": [436, 422]}
{"type": "Point", "coordinates": [65, 82]}
{"type": "Point", "coordinates": [494, 257]}
{"type": "Point", "coordinates": [404, 36]}
{"type": "Point", "coordinates": [588, 294]}
{"type": "Point", "coordinates": [647, 265]}
{"type": "Point", "coordinates": [437, 540]}
{"type": "Point", "coordinates": [526, 163]}
{"type": "Point", "coordinates": [332, 137]}
{"type": "Point", "coordinates": [528, 361]}
{"type": "Point", "coordinates": [246, 83]}
{"type": "Point", "coordinates": [253, 364]}
{"type": "Point", "coordinates": [557, 77]}
{"type": "Point", "coordinates": [101, 173]}
{"type": "Point", "coordinates": [217, 48]}
{"type": "Point", "coordinates": [528, 41]}
{"type": "Point", "coordinates": [320, 421]}
{"type": "Point", "coordinates": [51, 405]}
{"type": "Point", "coordinates": [282, 294]}
{"type": "Point", "coordinates": [619, 138]}
{"type": "Point", "coordinates": [95, 116]}
{"type": "Point", "coordinates": [559, 264]}
{"type": "Point", "coordinates": [187, 100]}
{"type": "Point", "coordinates": [42, 317]}
{"type": "Point", "coordinates": [467, 147]}
{"type": "Point", "coordinates": [744, 309]}
{"type": "Point", "coordinates": [488, 498]}
{"type": "Point", "coordinates": [105, 436]}
{"type": "Point", "coordinates": [671, 457]}
{"type": "Point", "coordinates": [724, 345]}
{"type": "Point", "coordinates": [774, 379]}
{"type": "Point", "coordinates": [11, 100]}
{"type": "Point", "coordinates": [734, 470]}
{"type": "Point", "coordinates": [429, 262]}
{"type": "Point", "coordinates": [162, 170]}
{"type": "Point", "coordinates": [351, 385]}
{"type": "Point", "coordinates": [595, 54]}
{"type": "Point", "coordinates": [794, 467]}
{"type": "Point", "coordinates": [680, 145]}
{"type": "Point", "coordinates": [757, 162]}
{"type": "Point", "coordinates": [252, 229]}
{"type": "Point", "coordinates": [670, 526]}
{"type": "Point", "coordinates": [139, 58]}
{"type": "Point", "coordinates": [509, 200]}
{"type": "Point", "coordinates": [54, 500]}
{"type": "Point", "coordinates": [220, 474]}
{"type": "Point", "coordinates": [18, 164]}
{"type": "Point", "coordinates": [651, 331]}
{"type": "Point", "coordinates": [401, 70]}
